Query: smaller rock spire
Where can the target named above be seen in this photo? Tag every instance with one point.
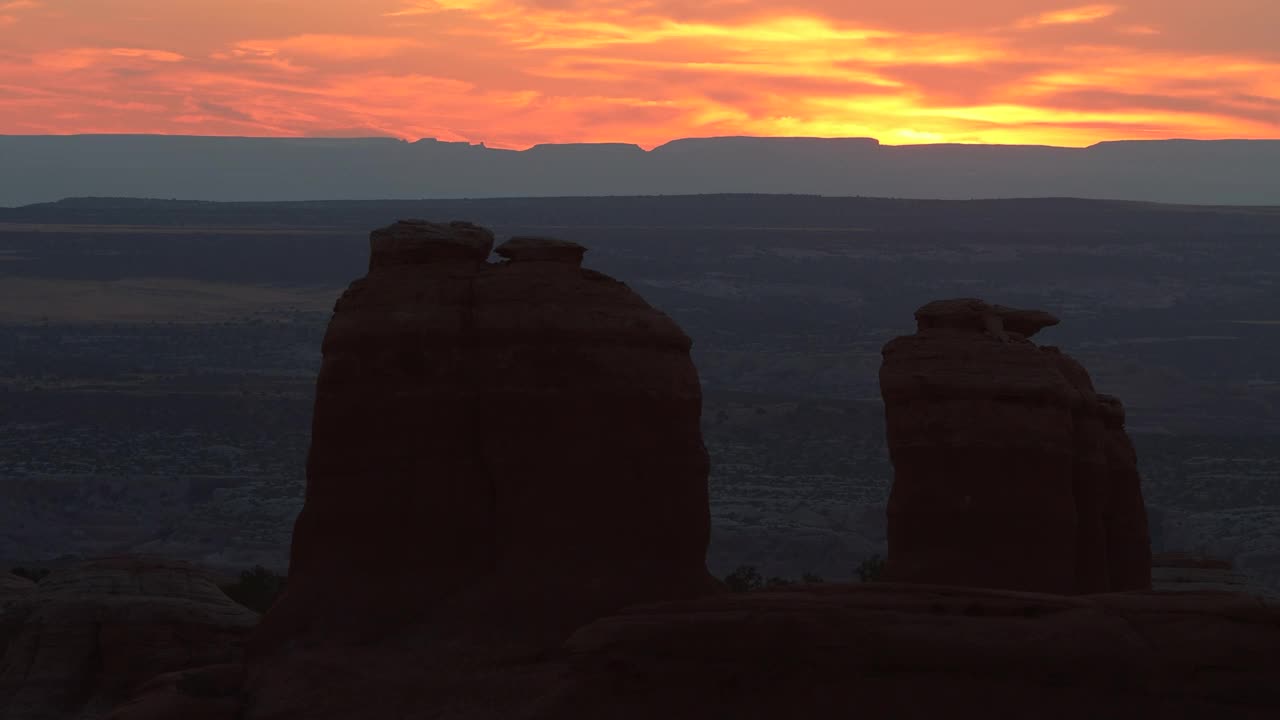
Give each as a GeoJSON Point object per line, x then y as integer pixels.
{"type": "Point", "coordinates": [974, 314]}
{"type": "Point", "coordinates": [528, 248]}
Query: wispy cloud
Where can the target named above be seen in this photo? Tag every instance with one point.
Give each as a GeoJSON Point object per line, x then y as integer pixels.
{"type": "Point", "coordinates": [431, 7]}
{"type": "Point", "coordinates": [332, 46]}
{"type": "Point", "coordinates": [8, 10]}
{"type": "Point", "coordinates": [1070, 16]}
{"type": "Point", "coordinates": [513, 73]}
{"type": "Point", "coordinates": [79, 58]}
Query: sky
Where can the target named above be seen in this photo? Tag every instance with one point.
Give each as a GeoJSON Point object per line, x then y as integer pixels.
{"type": "Point", "coordinates": [514, 73]}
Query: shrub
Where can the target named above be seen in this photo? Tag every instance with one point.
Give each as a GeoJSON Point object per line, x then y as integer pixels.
{"type": "Point", "coordinates": [257, 589]}
{"type": "Point", "coordinates": [871, 569]}
{"type": "Point", "coordinates": [744, 579]}
{"type": "Point", "coordinates": [32, 574]}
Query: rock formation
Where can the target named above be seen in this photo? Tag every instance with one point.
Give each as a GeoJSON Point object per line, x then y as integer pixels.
{"type": "Point", "coordinates": [513, 444]}
{"type": "Point", "coordinates": [505, 455]}
{"type": "Point", "coordinates": [914, 652]}
{"type": "Point", "coordinates": [880, 651]}
{"type": "Point", "coordinates": [1010, 470]}
{"type": "Point", "coordinates": [1124, 517]}
{"type": "Point", "coordinates": [90, 634]}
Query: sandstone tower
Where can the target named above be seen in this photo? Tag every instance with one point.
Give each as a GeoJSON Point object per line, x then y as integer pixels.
{"type": "Point", "coordinates": [516, 442]}
{"type": "Point", "coordinates": [1010, 470]}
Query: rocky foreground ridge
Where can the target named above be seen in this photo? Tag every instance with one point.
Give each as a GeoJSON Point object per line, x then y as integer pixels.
{"type": "Point", "coordinates": [506, 517]}
{"type": "Point", "coordinates": [86, 637]}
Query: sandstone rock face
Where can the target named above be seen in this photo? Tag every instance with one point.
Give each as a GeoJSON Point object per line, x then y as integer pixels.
{"type": "Point", "coordinates": [532, 249]}
{"type": "Point", "coordinates": [1125, 516]}
{"type": "Point", "coordinates": [514, 442]}
{"type": "Point", "coordinates": [91, 634]}
{"type": "Point", "coordinates": [883, 650]}
{"type": "Point", "coordinates": [1010, 470]}
{"type": "Point", "coordinates": [880, 651]}
{"type": "Point", "coordinates": [976, 315]}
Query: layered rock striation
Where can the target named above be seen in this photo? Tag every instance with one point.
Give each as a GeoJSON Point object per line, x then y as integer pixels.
{"type": "Point", "coordinates": [514, 443]}
{"type": "Point", "coordinates": [1010, 470]}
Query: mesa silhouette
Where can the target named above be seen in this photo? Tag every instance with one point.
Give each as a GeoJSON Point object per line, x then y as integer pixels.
{"type": "Point", "coordinates": [48, 168]}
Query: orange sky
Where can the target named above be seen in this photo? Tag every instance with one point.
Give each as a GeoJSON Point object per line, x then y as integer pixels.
{"type": "Point", "coordinates": [512, 73]}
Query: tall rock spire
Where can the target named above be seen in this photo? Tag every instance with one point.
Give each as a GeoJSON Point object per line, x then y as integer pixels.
{"type": "Point", "coordinates": [516, 442]}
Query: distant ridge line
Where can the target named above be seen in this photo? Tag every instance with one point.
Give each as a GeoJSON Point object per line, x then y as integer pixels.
{"type": "Point", "coordinates": [116, 201]}
{"type": "Point", "coordinates": [1183, 172]}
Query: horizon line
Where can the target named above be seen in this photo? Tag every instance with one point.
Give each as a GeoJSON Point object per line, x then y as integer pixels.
{"type": "Point", "coordinates": [482, 144]}
{"type": "Point", "coordinates": [885, 198]}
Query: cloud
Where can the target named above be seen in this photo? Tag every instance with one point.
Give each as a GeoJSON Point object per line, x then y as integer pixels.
{"type": "Point", "coordinates": [217, 110]}
{"type": "Point", "coordinates": [332, 46]}
{"type": "Point", "coordinates": [79, 58]}
{"type": "Point", "coordinates": [7, 19]}
{"type": "Point", "coordinates": [154, 55]}
{"type": "Point", "coordinates": [1069, 16]}
{"type": "Point", "coordinates": [513, 73]}
{"type": "Point", "coordinates": [349, 132]}
{"type": "Point", "coordinates": [431, 7]}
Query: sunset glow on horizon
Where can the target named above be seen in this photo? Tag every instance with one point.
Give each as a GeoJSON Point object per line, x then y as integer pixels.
{"type": "Point", "coordinates": [514, 73]}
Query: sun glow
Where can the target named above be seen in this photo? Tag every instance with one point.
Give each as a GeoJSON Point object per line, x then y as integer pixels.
{"type": "Point", "coordinates": [513, 73]}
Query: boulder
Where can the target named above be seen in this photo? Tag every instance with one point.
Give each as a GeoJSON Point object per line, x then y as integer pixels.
{"type": "Point", "coordinates": [528, 248]}
{"type": "Point", "coordinates": [974, 314]}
